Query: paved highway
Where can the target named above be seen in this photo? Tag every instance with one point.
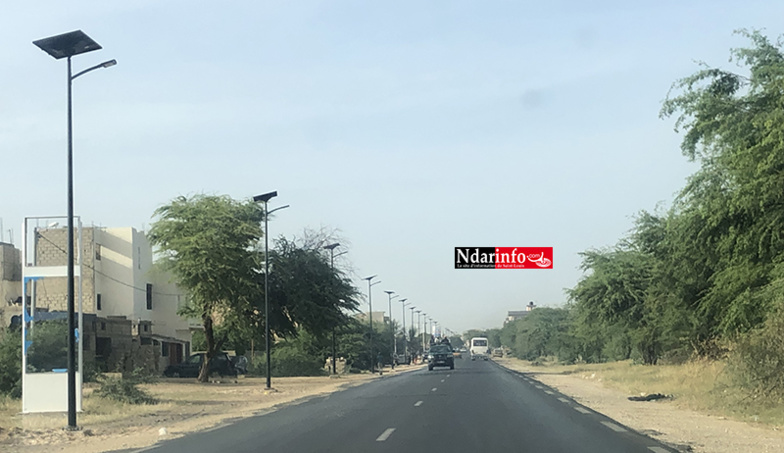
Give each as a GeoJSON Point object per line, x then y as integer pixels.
{"type": "Point", "coordinates": [477, 407]}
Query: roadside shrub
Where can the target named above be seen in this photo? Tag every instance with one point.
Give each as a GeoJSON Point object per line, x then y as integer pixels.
{"type": "Point", "coordinates": [126, 389]}
{"type": "Point", "coordinates": [92, 371]}
{"type": "Point", "coordinates": [292, 361]}
{"type": "Point", "coordinates": [757, 363]}
{"type": "Point", "coordinates": [11, 363]}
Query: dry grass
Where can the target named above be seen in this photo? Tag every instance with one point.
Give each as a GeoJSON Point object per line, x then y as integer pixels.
{"type": "Point", "coordinates": [702, 386]}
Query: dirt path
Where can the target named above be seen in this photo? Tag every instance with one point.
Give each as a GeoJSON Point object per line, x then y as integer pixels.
{"type": "Point", "coordinates": [185, 406]}
{"type": "Point", "coordinates": [684, 429]}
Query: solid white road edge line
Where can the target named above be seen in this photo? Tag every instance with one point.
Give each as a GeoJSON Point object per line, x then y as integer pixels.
{"type": "Point", "coordinates": [385, 435]}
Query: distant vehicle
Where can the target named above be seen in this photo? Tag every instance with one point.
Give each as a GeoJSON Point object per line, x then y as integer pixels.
{"type": "Point", "coordinates": [220, 365]}
{"type": "Point", "coordinates": [479, 348]}
{"type": "Point", "coordinates": [399, 358]}
{"type": "Point", "coordinates": [440, 355]}
{"type": "Point", "coordinates": [498, 352]}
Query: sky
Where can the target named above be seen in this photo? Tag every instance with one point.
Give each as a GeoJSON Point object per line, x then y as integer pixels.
{"type": "Point", "coordinates": [408, 127]}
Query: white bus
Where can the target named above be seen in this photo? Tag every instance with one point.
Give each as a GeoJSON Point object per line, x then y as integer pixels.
{"type": "Point", "coordinates": [479, 348]}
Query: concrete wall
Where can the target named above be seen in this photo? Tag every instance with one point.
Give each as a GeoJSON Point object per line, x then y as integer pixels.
{"type": "Point", "coordinates": [50, 250]}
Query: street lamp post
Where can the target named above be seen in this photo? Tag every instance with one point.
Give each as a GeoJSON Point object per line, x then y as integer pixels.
{"type": "Point", "coordinates": [405, 340]}
{"type": "Point", "coordinates": [394, 343]}
{"type": "Point", "coordinates": [412, 324]}
{"type": "Point", "coordinates": [265, 198]}
{"type": "Point", "coordinates": [331, 248]}
{"type": "Point", "coordinates": [66, 46]}
{"type": "Point", "coordinates": [370, 318]}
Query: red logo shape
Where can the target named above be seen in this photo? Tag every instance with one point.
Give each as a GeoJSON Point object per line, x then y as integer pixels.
{"type": "Point", "coordinates": [523, 257]}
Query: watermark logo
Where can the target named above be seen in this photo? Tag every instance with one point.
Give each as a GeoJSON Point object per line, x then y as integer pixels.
{"type": "Point", "coordinates": [503, 257]}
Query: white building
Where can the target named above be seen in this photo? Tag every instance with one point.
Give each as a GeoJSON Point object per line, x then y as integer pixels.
{"type": "Point", "coordinates": [118, 281]}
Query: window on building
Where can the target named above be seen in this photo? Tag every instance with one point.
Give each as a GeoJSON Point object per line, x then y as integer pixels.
{"type": "Point", "coordinates": [139, 257]}
{"type": "Point", "coordinates": [164, 349]}
{"type": "Point", "coordinates": [103, 326]}
{"type": "Point", "coordinates": [97, 252]}
{"type": "Point", "coordinates": [97, 301]}
{"type": "Point", "coordinates": [145, 327]}
{"type": "Point", "coordinates": [149, 296]}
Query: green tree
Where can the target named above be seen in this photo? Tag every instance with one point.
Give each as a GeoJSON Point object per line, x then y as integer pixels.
{"type": "Point", "coordinates": [207, 242]}
{"type": "Point", "coordinates": [734, 128]}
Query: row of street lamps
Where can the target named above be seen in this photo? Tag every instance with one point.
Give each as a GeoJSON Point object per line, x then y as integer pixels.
{"type": "Point", "coordinates": [422, 320]}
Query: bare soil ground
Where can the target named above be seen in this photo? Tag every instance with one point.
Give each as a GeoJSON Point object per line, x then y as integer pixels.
{"type": "Point", "coordinates": [670, 420]}
{"type": "Point", "coordinates": [185, 406]}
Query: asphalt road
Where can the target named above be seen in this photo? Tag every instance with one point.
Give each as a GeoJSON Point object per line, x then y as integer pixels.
{"type": "Point", "coordinates": [477, 407]}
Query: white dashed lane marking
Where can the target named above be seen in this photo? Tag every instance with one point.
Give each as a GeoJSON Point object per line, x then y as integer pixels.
{"type": "Point", "coordinates": [539, 387]}
{"type": "Point", "coordinates": [418, 403]}
{"type": "Point", "coordinates": [614, 427]}
{"type": "Point", "coordinates": [549, 392]}
{"type": "Point", "coordinates": [442, 380]}
{"type": "Point", "coordinates": [658, 450]}
{"type": "Point", "coordinates": [385, 435]}
{"type": "Point", "coordinates": [434, 389]}
{"type": "Point", "coordinates": [582, 410]}
{"type": "Point", "coordinates": [563, 400]}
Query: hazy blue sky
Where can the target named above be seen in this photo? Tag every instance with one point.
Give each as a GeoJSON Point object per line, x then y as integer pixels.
{"type": "Point", "coordinates": [411, 126]}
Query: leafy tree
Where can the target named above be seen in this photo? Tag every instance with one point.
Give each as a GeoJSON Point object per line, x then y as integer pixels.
{"type": "Point", "coordinates": [207, 243]}
{"type": "Point", "coordinates": [734, 127]}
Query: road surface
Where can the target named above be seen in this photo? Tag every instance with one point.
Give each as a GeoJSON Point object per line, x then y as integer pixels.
{"type": "Point", "coordinates": [477, 407]}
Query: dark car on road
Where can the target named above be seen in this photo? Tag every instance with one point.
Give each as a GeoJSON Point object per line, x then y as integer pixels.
{"type": "Point", "coordinates": [221, 365]}
{"type": "Point", "coordinates": [440, 355]}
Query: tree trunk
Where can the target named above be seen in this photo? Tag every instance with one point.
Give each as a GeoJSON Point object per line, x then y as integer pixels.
{"type": "Point", "coordinates": [209, 336]}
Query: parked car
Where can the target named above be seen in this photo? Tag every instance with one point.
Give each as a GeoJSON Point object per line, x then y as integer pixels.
{"type": "Point", "coordinates": [220, 364]}
{"type": "Point", "coordinates": [498, 352]}
{"type": "Point", "coordinates": [440, 355]}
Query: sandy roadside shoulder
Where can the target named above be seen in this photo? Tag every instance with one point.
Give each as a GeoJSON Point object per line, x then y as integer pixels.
{"type": "Point", "coordinates": [186, 406]}
{"type": "Point", "coordinates": [681, 428]}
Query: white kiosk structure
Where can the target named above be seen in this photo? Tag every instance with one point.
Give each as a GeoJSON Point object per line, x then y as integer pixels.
{"type": "Point", "coordinates": [47, 390]}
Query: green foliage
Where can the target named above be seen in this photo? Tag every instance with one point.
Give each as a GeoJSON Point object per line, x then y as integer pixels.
{"type": "Point", "coordinates": [543, 332]}
{"type": "Point", "coordinates": [757, 363]}
{"type": "Point", "coordinates": [709, 270]}
{"type": "Point", "coordinates": [11, 363]}
{"type": "Point", "coordinates": [207, 242]}
{"type": "Point", "coordinates": [306, 290]}
{"type": "Point", "coordinates": [126, 389]}
{"type": "Point", "coordinates": [291, 358]}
